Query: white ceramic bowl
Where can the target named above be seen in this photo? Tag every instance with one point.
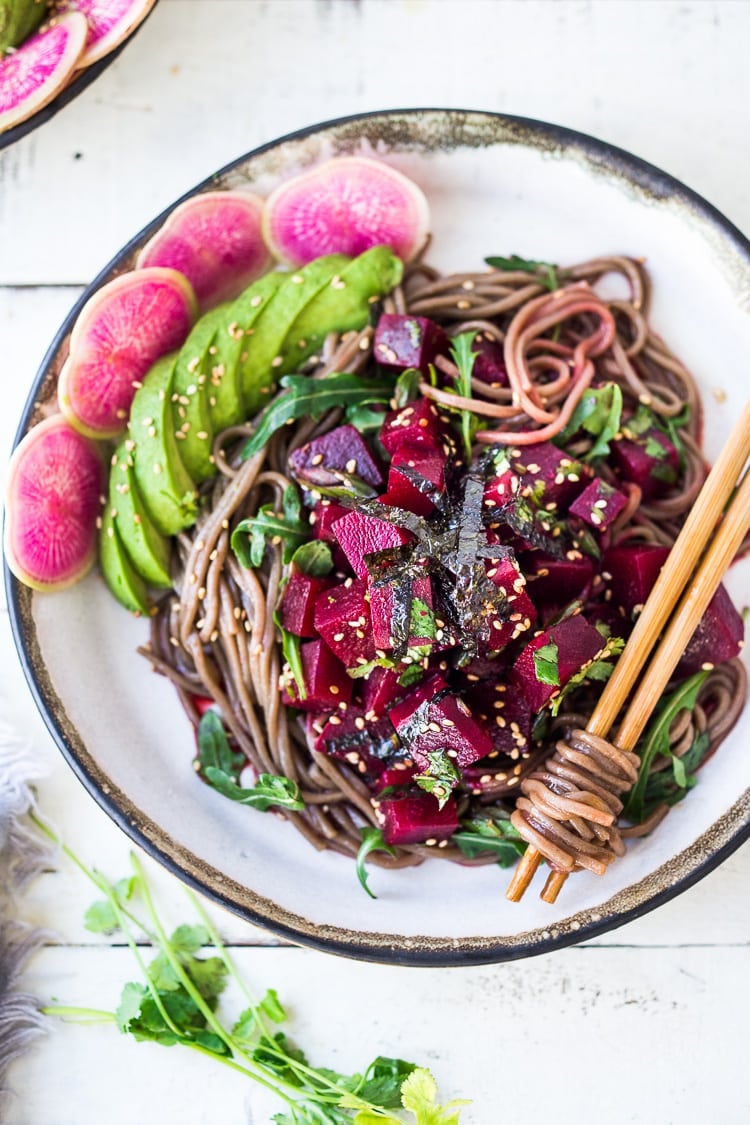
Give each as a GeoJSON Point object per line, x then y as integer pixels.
{"type": "Point", "coordinates": [495, 185]}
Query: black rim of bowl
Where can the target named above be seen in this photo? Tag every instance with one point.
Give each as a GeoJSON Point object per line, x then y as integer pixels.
{"type": "Point", "coordinates": [371, 946]}
{"type": "Point", "coordinates": [70, 92]}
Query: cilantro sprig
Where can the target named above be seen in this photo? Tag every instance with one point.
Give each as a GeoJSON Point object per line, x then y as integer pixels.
{"type": "Point", "coordinates": [220, 765]}
{"type": "Point", "coordinates": [177, 997]}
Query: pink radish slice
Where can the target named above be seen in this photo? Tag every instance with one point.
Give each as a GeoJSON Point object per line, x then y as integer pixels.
{"type": "Point", "coordinates": [119, 334]}
{"type": "Point", "coordinates": [215, 239]}
{"type": "Point", "coordinates": [109, 22]}
{"type": "Point", "coordinates": [52, 502]}
{"type": "Point", "coordinates": [346, 205]}
{"type": "Point", "coordinates": [36, 71]}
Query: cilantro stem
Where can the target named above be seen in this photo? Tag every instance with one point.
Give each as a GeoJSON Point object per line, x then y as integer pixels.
{"type": "Point", "coordinates": [80, 1015]}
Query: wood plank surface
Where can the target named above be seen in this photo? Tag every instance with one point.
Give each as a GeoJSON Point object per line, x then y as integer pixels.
{"type": "Point", "coordinates": [644, 1025]}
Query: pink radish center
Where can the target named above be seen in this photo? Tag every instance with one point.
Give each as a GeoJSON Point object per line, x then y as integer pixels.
{"type": "Point", "coordinates": [102, 16]}
{"type": "Point", "coordinates": [26, 70]}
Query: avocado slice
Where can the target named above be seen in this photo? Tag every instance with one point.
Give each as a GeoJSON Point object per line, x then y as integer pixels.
{"type": "Point", "coordinates": [343, 305]}
{"type": "Point", "coordinates": [166, 487]}
{"type": "Point", "coordinates": [262, 356]}
{"type": "Point", "coordinates": [193, 427]}
{"type": "Point", "coordinates": [119, 573]}
{"type": "Point", "coordinates": [147, 549]}
{"type": "Point", "coordinates": [18, 19]}
{"type": "Point", "coordinates": [231, 351]}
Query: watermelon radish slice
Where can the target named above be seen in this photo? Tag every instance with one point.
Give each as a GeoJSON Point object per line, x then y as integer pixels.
{"type": "Point", "coordinates": [109, 23]}
{"type": "Point", "coordinates": [52, 502]}
{"type": "Point", "coordinates": [119, 334]}
{"type": "Point", "coordinates": [215, 240]}
{"type": "Point", "coordinates": [346, 205]}
{"type": "Point", "coordinates": [36, 72]}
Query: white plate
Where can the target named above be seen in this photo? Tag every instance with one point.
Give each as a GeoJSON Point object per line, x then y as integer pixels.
{"type": "Point", "coordinates": [495, 185]}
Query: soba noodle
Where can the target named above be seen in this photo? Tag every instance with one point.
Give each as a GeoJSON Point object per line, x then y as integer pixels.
{"type": "Point", "coordinates": [214, 635]}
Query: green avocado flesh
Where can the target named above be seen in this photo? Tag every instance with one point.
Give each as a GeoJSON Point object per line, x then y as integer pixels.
{"type": "Point", "coordinates": [343, 302]}
{"type": "Point", "coordinates": [263, 344]}
{"type": "Point", "coordinates": [191, 417]}
{"type": "Point", "coordinates": [18, 20]}
{"type": "Point", "coordinates": [148, 550]}
{"type": "Point", "coordinates": [121, 577]}
{"type": "Point", "coordinates": [167, 489]}
{"type": "Point", "coordinates": [224, 374]}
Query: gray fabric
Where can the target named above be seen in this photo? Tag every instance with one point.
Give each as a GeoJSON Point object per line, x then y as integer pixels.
{"type": "Point", "coordinates": [23, 854]}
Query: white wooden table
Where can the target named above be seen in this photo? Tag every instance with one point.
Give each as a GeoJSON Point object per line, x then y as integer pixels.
{"type": "Point", "coordinates": [651, 1018]}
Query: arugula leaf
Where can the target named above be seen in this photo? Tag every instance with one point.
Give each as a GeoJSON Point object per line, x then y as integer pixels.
{"type": "Point", "coordinates": [291, 647]}
{"type": "Point", "coordinates": [306, 397]}
{"type": "Point", "coordinates": [405, 389]}
{"type": "Point", "coordinates": [270, 791]}
{"type": "Point", "coordinates": [514, 264]}
{"type": "Point", "coordinates": [656, 742]}
{"type": "Point", "coordinates": [599, 413]}
{"type": "Point", "coordinates": [314, 558]}
{"type": "Point", "coordinates": [372, 841]}
{"type": "Point", "coordinates": [440, 777]}
{"type": "Point", "coordinates": [288, 527]}
{"type": "Point", "coordinates": [368, 420]}
{"type": "Point", "coordinates": [669, 787]}
{"type": "Point", "coordinates": [464, 359]}
{"type": "Point", "coordinates": [546, 665]}
{"type": "Point", "coordinates": [214, 749]}
{"type": "Point", "coordinates": [491, 833]}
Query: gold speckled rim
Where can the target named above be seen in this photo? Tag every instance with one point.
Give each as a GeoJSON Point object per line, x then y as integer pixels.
{"type": "Point", "coordinates": [417, 129]}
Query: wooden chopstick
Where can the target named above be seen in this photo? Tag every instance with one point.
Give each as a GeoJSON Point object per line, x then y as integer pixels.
{"type": "Point", "coordinates": [673, 579]}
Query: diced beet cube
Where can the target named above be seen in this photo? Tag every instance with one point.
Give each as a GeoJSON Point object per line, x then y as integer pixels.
{"type": "Point", "coordinates": [417, 425]}
{"type": "Point", "coordinates": [380, 690]}
{"type": "Point", "coordinates": [506, 574]}
{"type": "Point", "coordinates": [599, 504]}
{"type": "Point", "coordinates": [323, 516]}
{"type": "Point", "coordinates": [368, 746]}
{"type": "Point", "coordinates": [548, 474]}
{"type": "Point", "coordinates": [489, 365]}
{"type": "Point", "coordinates": [427, 721]}
{"type": "Point", "coordinates": [720, 635]}
{"type": "Point", "coordinates": [649, 460]}
{"type": "Point", "coordinates": [500, 489]}
{"type": "Point", "coordinates": [577, 644]}
{"type": "Point", "coordinates": [402, 492]}
{"type": "Point", "coordinates": [297, 612]}
{"type": "Point", "coordinates": [401, 773]}
{"type": "Point", "coordinates": [408, 341]}
{"type": "Point", "coordinates": [382, 609]}
{"type": "Point", "coordinates": [340, 452]}
{"type": "Point", "coordinates": [631, 572]}
{"type": "Point", "coordinates": [502, 630]}
{"type": "Point", "coordinates": [506, 715]}
{"type": "Point", "coordinates": [326, 682]}
{"type": "Point", "coordinates": [415, 820]}
{"type": "Point", "coordinates": [359, 535]}
{"type": "Point", "coordinates": [556, 582]}
{"type": "Point", "coordinates": [342, 619]}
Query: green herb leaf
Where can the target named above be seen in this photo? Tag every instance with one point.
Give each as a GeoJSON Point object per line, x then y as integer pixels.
{"type": "Point", "coordinates": [306, 397]}
{"type": "Point", "coordinates": [546, 666]}
{"type": "Point", "coordinates": [464, 358]}
{"type": "Point", "coordinates": [269, 791]}
{"type": "Point", "coordinates": [372, 841]}
{"type": "Point", "coordinates": [291, 647]}
{"type": "Point", "coordinates": [440, 777]}
{"type": "Point", "coordinates": [515, 264]}
{"type": "Point", "coordinates": [419, 1094]}
{"type": "Point", "coordinates": [491, 833]}
{"type": "Point", "coordinates": [288, 528]}
{"type": "Point", "coordinates": [314, 558]}
{"type": "Point", "coordinates": [405, 389]}
{"type": "Point", "coordinates": [368, 420]}
{"type": "Point", "coordinates": [599, 413]}
{"type": "Point", "coordinates": [669, 787]}
{"type": "Point", "coordinates": [214, 749]}
{"type": "Point", "coordinates": [656, 742]}
{"type": "Point", "coordinates": [384, 1078]}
